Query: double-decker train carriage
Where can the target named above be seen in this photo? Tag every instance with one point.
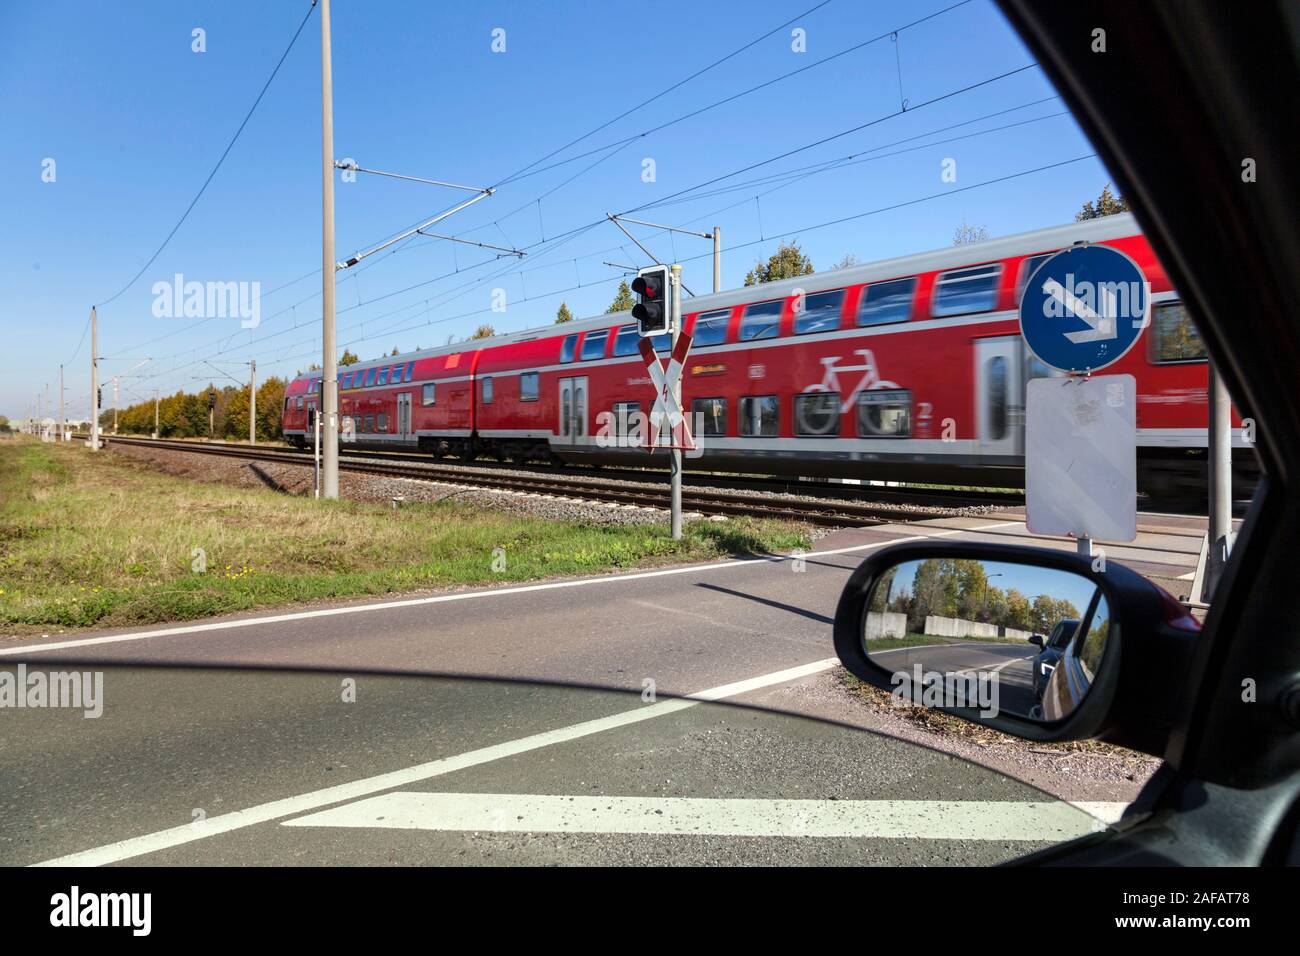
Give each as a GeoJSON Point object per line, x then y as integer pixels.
{"type": "Point", "coordinates": [909, 369]}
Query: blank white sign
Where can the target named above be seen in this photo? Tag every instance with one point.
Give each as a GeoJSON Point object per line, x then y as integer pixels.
{"type": "Point", "coordinates": [1081, 457]}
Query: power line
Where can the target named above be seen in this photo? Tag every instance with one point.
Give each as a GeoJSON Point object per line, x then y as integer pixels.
{"type": "Point", "coordinates": [745, 92]}
{"type": "Point", "coordinates": [664, 92]}
{"type": "Point", "coordinates": [826, 139]}
{"type": "Point", "coordinates": [225, 153]}
{"type": "Point", "coordinates": [810, 228]}
{"type": "Point", "coordinates": [614, 148]}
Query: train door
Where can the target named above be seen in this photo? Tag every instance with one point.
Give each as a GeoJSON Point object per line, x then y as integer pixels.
{"type": "Point", "coordinates": [1000, 396]}
{"type": "Point", "coordinates": [573, 409]}
{"type": "Point", "coordinates": [404, 415]}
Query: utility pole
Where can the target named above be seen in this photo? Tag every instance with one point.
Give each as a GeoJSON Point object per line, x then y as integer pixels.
{"type": "Point", "coordinates": [329, 365]}
{"type": "Point", "coordinates": [62, 425]}
{"type": "Point", "coordinates": [155, 413]}
{"type": "Point", "coordinates": [1220, 479]}
{"type": "Point", "coordinates": [252, 401]}
{"type": "Point", "coordinates": [94, 381]}
{"type": "Point", "coordinates": [676, 326]}
{"type": "Point", "coordinates": [114, 404]}
{"type": "Point", "coordinates": [717, 258]}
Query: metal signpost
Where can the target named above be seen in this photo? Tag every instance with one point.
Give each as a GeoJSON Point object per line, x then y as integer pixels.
{"type": "Point", "coordinates": [1082, 310]}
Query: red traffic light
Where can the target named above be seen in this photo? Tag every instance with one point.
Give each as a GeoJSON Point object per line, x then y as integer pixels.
{"type": "Point", "coordinates": [650, 287]}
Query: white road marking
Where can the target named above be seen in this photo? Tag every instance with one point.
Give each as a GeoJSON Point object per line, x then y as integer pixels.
{"type": "Point", "coordinates": [1107, 812]}
{"type": "Point", "coordinates": [1046, 821]}
{"type": "Point", "coordinates": [25, 649]}
{"type": "Point", "coordinates": [316, 799]}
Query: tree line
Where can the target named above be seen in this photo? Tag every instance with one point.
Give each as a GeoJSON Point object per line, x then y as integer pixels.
{"type": "Point", "coordinates": [185, 414]}
{"type": "Point", "coordinates": [960, 588]}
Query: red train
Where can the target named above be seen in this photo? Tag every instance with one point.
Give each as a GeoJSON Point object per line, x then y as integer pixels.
{"type": "Point", "coordinates": [907, 369]}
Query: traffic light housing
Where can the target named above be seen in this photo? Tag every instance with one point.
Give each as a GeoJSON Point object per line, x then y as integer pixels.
{"type": "Point", "coordinates": [212, 399]}
{"type": "Point", "coordinates": [652, 308]}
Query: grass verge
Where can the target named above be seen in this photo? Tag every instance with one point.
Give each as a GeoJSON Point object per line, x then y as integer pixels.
{"type": "Point", "coordinates": [110, 542]}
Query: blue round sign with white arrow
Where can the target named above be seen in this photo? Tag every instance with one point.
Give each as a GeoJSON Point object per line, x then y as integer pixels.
{"type": "Point", "coordinates": [1084, 308]}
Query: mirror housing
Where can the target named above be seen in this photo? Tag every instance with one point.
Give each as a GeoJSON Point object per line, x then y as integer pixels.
{"type": "Point", "coordinates": [1134, 696]}
{"type": "Point", "coordinates": [1036, 639]}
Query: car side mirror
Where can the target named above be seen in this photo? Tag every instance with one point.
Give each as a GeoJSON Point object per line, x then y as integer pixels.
{"type": "Point", "coordinates": [944, 625]}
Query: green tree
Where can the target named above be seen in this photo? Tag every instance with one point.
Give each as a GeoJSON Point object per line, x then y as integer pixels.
{"type": "Point", "coordinates": [787, 262]}
{"type": "Point", "coordinates": [849, 260]}
{"type": "Point", "coordinates": [928, 595]}
{"type": "Point", "coordinates": [394, 351]}
{"type": "Point", "coordinates": [484, 332]}
{"type": "Point", "coordinates": [623, 300]}
{"type": "Point", "coordinates": [349, 358]}
{"type": "Point", "coordinates": [5, 427]}
{"type": "Point", "coordinates": [563, 314]}
{"type": "Point", "coordinates": [967, 234]}
{"type": "Point", "coordinates": [1107, 204]}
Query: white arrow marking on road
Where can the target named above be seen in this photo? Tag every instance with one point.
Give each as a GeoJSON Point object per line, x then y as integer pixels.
{"type": "Point", "coordinates": [1103, 326]}
{"type": "Point", "coordinates": [859, 819]}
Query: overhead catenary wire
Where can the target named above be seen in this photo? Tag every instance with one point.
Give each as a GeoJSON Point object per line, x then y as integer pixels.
{"type": "Point", "coordinates": [554, 241]}
{"type": "Point", "coordinates": [616, 147]}
{"type": "Point", "coordinates": [790, 232]}
{"type": "Point", "coordinates": [226, 152]}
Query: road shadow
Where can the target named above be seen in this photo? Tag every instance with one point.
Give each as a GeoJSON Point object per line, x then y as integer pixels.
{"type": "Point", "coordinates": [802, 612]}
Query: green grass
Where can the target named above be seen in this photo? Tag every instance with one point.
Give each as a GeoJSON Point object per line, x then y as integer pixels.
{"type": "Point", "coordinates": [104, 540]}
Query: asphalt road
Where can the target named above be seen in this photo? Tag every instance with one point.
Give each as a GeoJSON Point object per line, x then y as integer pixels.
{"type": "Point", "coordinates": [501, 759]}
{"type": "Point", "coordinates": [1008, 667]}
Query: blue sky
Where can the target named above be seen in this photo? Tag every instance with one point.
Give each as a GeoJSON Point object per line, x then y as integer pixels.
{"type": "Point", "coordinates": [135, 121]}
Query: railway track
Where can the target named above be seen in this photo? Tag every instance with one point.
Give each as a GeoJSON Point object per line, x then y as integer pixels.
{"type": "Point", "coordinates": [832, 511]}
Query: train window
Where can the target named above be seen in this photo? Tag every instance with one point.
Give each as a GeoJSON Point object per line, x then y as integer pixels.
{"type": "Point", "coordinates": [383, 377]}
{"type": "Point", "coordinates": [1027, 269]}
{"type": "Point", "coordinates": [528, 390]}
{"type": "Point", "coordinates": [820, 312]}
{"type": "Point", "coordinates": [299, 402]}
{"type": "Point", "coordinates": [287, 403]}
{"type": "Point", "coordinates": [663, 344]}
{"type": "Point", "coordinates": [627, 420]}
{"type": "Point", "coordinates": [410, 372]}
{"type": "Point", "coordinates": [761, 320]}
{"type": "Point", "coordinates": [885, 302]}
{"type": "Point", "coordinates": [709, 416]}
{"type": "Point", "coordinates": [1175, 337]}
{"type": "Point", "coordinates": [817, 414]}
{"type": "Point", "coordinates": [487, 391]}
{"type": "Point", "coordinates": [885, 413]}
{"type": "Point", "coordinates": [383, 421]}
{"type": "Point", "coordinates": [625, 341]}
{"type": "Point", "coordinates": [370, 423]}
{"type": "Point", "coordinates": [370, 377]}
{"type": "Point", "coordinates": [430, 394]}
{"type": "Point", "coordinates": [960, 291]}
{"type": "Point", "coordinates": [593, 346]}
{"type": "Point", "coordinates": [344, 379]}
{"type": "Point", "coordinates": [760, 416]}
{"type": "Point", "coordinates": [997, 379]}
{"type": "Point", "coordinates": [569, 348]}
{"type": "Point", "coordinates": [710, 328]}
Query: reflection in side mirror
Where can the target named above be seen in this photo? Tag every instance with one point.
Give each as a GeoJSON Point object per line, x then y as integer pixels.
{"type": "Point", "coordinates": [997, 636]}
